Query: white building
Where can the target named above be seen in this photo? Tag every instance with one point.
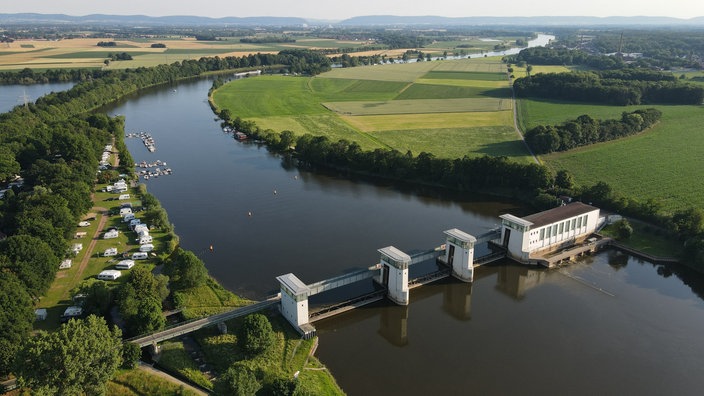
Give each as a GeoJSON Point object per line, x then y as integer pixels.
{"type": "Point", "coordinates": [547, 231]}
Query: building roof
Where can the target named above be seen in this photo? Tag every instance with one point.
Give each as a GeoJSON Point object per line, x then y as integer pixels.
{"type": "Point", "coordinates": [516, 220]}
{"type": "Point", "coordinates": [292, 283]}
{"type": "Point", "coordinates": [460, 235]}
{"type": "Point", "coordinates": [560, 213]}
{"type": "Point", "coordinates": [395, 254]}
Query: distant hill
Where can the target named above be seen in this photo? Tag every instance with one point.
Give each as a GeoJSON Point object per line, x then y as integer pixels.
{"type": "Point", "coordinates": [371, 20]}
{"type": "Point", "coordinates": [392, 20]}
{"type": "Point", "coordinates": [100, 19]}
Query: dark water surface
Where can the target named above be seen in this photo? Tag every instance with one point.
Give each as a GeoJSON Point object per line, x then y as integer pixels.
{"type": "Point", "coordinates": [609, 324]}
{"type": "Point", "coordinates": [14, 95]}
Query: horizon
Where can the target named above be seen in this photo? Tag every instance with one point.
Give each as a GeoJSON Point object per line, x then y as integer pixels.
{"type": "Point", "coordinates": [323, 10]}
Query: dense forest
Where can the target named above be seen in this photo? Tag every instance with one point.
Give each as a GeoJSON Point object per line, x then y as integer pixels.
{"type": "Point", "coordinates": [55, 144]}
{"type": "Point", "coordinates": [586, 130]}
{"type": "Point", "coordinates": [616, 87]}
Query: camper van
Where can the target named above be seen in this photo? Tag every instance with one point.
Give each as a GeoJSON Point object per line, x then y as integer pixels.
{"type": "Point", "coordinates": [128, 217]}
{"type": "Point", "coordinates": [123, 196]}
{"type": "Point", "coordinates": [109, 252]}
{"type": "Point", "coordinates": [111, 234]}
{"type": "Point", "coordinates": [125, 264]}
{"type": "Point", "coordinates": [143, 240]}
{"type": "Point", "coordinates": [140, 256]}
{"type": "Point", "coordinates": [125, 211]}
{"type": "Point", "coordinates": [146, 248]}
{"type": "Point", "coordinates": [109, 275]}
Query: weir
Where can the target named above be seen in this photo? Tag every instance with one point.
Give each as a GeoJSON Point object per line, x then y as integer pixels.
{"type": "Point", "coordinates": [544, 238]}
{"type": "Point", "coordinates": [391, 273]}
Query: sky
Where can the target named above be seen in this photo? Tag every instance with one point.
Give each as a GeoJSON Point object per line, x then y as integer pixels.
{"type": "Point", "coordinates": [338, 10]}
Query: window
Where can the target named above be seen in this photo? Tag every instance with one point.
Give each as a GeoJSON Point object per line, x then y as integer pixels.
{"type": "Point", "coordinates": [542, 234]}
{"type": "Point", "coordinates": [585, 220]}
{"type": "Point", "coordinates": [574, 222]}
{"type": "Point", "coordinates": [562, 228]}
{"type": "Point", "coordinates": [554, 230]}
{"type": "Point", "coordinates": [579, 222]}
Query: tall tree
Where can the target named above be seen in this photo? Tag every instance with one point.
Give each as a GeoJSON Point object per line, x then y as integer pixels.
{"type": "Point", "coordinates": [77, 359]}
{"type": "Point", "coordinates": [16, 318]}
{"type": "Point", "coordinates": [255, 335]}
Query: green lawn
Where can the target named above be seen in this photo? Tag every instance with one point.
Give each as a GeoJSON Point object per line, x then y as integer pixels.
{"type": "Point", "coordinates": [663, 163]}
{"type": "Point", "coordinates": [175, 358]}
{"type": "Point", "coordinates": [289, 354]}
{"type": "Point", "coordinates": [418, 107]}
{"type": "Point", "coordinates": [141, 383]}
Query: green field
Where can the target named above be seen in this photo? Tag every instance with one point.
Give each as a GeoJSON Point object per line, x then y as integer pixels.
{"type": "Point", "coordinates": [663, 163]}
{"type": "Point", "coordinates": [450, 108]}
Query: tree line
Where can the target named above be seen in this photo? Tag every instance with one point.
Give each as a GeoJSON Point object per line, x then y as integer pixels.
{"type": "Point", "coordinates": [615, 87]}
{"type": "Point", "coordinates": [55, 144]}
{"type": "Point", "coordinates": [565, 57]}
{"type": "Point", "coordinates": [585, 130]}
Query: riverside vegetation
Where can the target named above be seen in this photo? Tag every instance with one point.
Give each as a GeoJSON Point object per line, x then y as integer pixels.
{"type": "Point", "coordinates": [54, 143]}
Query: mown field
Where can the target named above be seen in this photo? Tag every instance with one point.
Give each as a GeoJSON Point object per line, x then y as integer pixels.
{"type": "Point", "coordinates": [663, 163]}
{"type": "Point", "coordinates": [450, 108]}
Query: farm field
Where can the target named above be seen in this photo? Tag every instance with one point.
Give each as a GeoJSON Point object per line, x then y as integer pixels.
{"type": "Point", "coordinates": [663, 163]}
{"type": "Point", "coordinates": [450, 108]}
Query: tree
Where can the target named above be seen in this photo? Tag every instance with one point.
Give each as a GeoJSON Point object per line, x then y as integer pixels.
{"type": "Point", "coordinates": [131, 353]}
{"type": "Point", "coordinates": [186, 270]}
{"type": "Point", "coordinates": [77, 359]}
{"type": "Point", "coordinates": [148, 317]}
{"type": "Point", "coordinates": [238, 380]}
{"type": "Point", "coordinates": [564, 179]}
{"type": "Point", "coordinates": [624, 230]}
{"type": "Point", "coordinates": [16, 317]}
{"type": "Point", "coordinates": [255, 335]}
{"type": "Point", "coordinates": [31, 260]}
{"type": "Point", "coordinates": [8, 165]}
{"type": "Point", "coordinates": [98, 297]}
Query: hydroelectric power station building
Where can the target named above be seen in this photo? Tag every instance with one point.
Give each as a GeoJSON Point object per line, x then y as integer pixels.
{"type": "Point", "coordinates": [530, 238]}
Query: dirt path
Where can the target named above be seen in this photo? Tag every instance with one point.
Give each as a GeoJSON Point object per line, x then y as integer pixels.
{"type": "Point", "coordinates": [89, 250]}
{"type": "Point", "coordinates": [151, 370]}
{"type": "Point", "coordinates": [515, 124]}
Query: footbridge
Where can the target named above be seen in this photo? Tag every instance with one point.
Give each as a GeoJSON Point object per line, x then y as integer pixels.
{"type": "Point", "coordinates": [197, 324]}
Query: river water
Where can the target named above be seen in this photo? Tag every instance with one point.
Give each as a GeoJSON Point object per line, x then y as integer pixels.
{"type": "Point", "coordinates": [609, 324]}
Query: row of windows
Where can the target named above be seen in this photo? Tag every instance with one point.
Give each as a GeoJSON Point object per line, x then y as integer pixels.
{"type": "Point", "coordinates": [565, 226]}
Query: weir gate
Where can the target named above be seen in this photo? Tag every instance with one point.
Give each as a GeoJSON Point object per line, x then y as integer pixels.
{"type": "Point", "coordinates": [390, 277]}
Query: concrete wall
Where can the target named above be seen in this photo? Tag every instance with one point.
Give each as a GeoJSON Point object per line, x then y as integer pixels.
{"type": "Point", "coordinates": [296, 312]}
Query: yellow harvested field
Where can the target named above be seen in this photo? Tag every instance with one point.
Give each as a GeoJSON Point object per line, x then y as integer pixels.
{"type": "Point", "coordinates": [394, 72]}
{"type": "Point", "coordinates": [373, 123]}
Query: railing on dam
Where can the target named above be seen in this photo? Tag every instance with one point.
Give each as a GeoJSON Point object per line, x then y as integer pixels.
{"type": "Point", "coordinates": [197, 324]}
{"type": "Point", "coordinates": [343, 280]}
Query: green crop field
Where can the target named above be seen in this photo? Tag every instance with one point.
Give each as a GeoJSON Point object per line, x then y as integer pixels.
{"type": "Point", "coordinates": [418, 106]}
{"type": "Point", "coordinates": [663, 163]}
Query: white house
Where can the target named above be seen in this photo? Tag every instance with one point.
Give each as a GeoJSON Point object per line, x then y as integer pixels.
{"type": "Point", "coordinates": [547, 231]}
{"type": "Point", "coordinates": [111, 234]}
{"type": "Point", "coordinates": [109, 275]}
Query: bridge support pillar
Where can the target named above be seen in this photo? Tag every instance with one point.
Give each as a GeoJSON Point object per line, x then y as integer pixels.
{"type": "Point", "coordinates": [394, 273]}
{"type": "Point", "coordinates": [459, 254]}
{"type": "Point", "coordinates": [155, 350]}
{"type": "Point", "coordinates": [294, 300]}
{"type": "Point", "coordinates": [222, 327]}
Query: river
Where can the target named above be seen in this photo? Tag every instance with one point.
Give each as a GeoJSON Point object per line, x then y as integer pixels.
{"type": "Point", "coordinates": [609, 324]}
